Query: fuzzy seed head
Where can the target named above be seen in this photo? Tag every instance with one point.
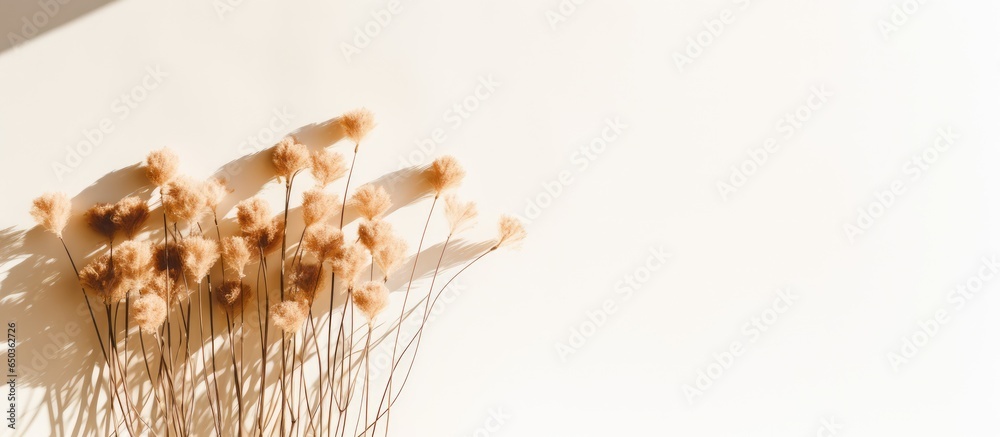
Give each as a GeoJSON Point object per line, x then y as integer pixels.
{"type": "Point", "coordinates": [214, 190]}
{"type": "Point", "coordinates": [198, 255]}
{"type": "Point", "coordinates": [511, 232]}
{"type": "Point", "coordinates": [289, 157]}
{"type": "Point", "coordinates": [235, 254]}
{"type": "Point", "coordinates": [184, 200]}
{"type": "Point", "coordinates": [167, 280]}
{"type": "Point", "coordinates": [307, 280]}
{"type": "Point", "coordinates": [444, 173]}
{"type": "Point", "coordinates": [371, 298]}
{"type": "Point", "coordinates": [357, 124]}
{"type": "Point", "coordinates": [161, 166]}
{"type": "Point", "coordinates": [461, 215]}
{"type": "Point", "coordinates": [389, 255]}
{"type": "Point", "coordinates": [52, 211]}
{"type": "Point", "coordinates": [374, 233]}
{"type": "Point", "coordinates": [253, 215]}
{"type": "Point", "coordinates": [130, 213]}
{"type": "Point", "coordinates": [101, 218]}
{"type": "Point", "coordinates": [317, 206]}
{"type": "Point", "coordinates": [149, 311]}
{"type": "Point", "coordinates": [289, 315]}
{"type": "Point", "coordinates": [349, 262]}
{"type": "Point", "coordinates": [99, 278]}
{"type": "Point", "coordinates": [233, 295]}
{"type": "Point", "coordinates": [370, 201]}
{"type": "Point", "coordinates": [327, 166]}
{"type": "Point", "coordinates": [324, 241]}
{"type": "Point", "coordinates": [133, 263]}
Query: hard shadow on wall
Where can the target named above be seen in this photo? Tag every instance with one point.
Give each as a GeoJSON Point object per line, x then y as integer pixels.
{"type": "Point", "coordinates": [60, 357]}
{"type": "Point", "coordinates": [21, 21]}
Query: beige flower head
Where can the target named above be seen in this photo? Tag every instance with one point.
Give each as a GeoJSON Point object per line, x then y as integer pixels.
{"type": "Point", "coordinates": [100, 279]}
{"type": "Point", "coordinates": [370, 201]}
{"type": "Point", "coordinates": [149, 311]}
{"type": "Point", "coordinates": [389, 256]}
{"type": "Point", "coordinates": [371, 298]}
{"type": "Point", "coordinates": [233, 295]}
{"type": "Point", "coordinates": [461, 215]}
{"type": "Point", "coordinates": [101, 218]}
{"type": "Point", "coordinates": [184, 200]}
{"type": "Point", "coordinates": [198, 255]}
{"type": "Point", "coordinates": [253, 214]}
{"type": "Point", "coordinates": [374, 233]}
{"type": "Point", "coordinates": [349, 262]}
{"type": "Point", "coordinates": [133, 263]}
{"type": "Point", "coordinates": [317, 206]}
{"type": "Point", "coordinates": [168, 265]}
{"type": "Point", "coordinates": [161, 166]}
{"type": "Point", "coordinates": [269, 238]}
{"type": "Point", "coordinates": [130, 213]}
{"type": "Point", "coordinates": [357, 124]}
{"type": "Point", "coordinates": [324, 241]}
{"type": "Point", "coordinates": [327, 166]}
{"type": "Point", "coordinates": [214, 190]}
{"type": "Point", "coordinates": [307, 279]}
{"type": "Point", "coordinates": [235, 254]}
{"type": "Point", "coordinates": [444, 173]}
{"type": "Point", "coordinates": [289, 315]}
{"type": "Point", "coordinates": [261, 230]}
{"type": "Point", "coordinates": [511, 232]}
{"type": "Point", "coordinates": [289, 157]}
{"type": "Point", "coordinates": [52, 211]}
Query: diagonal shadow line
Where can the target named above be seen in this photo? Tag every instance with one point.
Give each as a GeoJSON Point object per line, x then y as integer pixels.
{"type": "Point", "coordinates": [22, 21]}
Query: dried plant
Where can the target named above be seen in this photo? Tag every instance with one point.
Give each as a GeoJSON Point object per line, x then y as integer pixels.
{"type": "Point", "coordinates": [198, 256]}
{"type": "Point", "coordinates": [52, 211]}
{"type": "Point", "coordinates": [231, 293]}
{"type": "Point", "coordinates": [169, 278]}
{"type": "Point", "coordinates": [374, 233]}
{"type": "Point", "coordinates": [324, 241]}
{"type": "Point", "coordinates": [149, 311]}
{"type": "Point", "coordinates": [327, 167]}
{"type": "Point", "coordinates": [370, 201]}
{"type": "Point", "coordinates": [101, 218]}
{"type": "Point", "coordinates": [161, 166]}
{"type": "Point", "coordinates": [130, 213]}
{"type": "Point", "coordinates": [289, 157]}
{"type": "Point", "coordinates": [511, 232]}
{"type": "Point", "coordinates": [390, 254]}
{"type": "Point", "coordinates": [371, 298]}
{"type": "Point", "coordinates": [184, 200]}
{"type": "Point", "coordinates": [235, 254]}
{"type": "Point", "coordinates": [357, 124]}
{"type": "Point", "coordinates": [460, 215]}
{"type": "Point", "coordinates": [317, 206]}
{"type": "Point", "coordinates": [444, 173]}
{"type": "Point", "coordinates": [214, 191]}
{"type": "Point", "coordinates": [289, 315]}
{"type": "Point", "coordinates": [349, 263]}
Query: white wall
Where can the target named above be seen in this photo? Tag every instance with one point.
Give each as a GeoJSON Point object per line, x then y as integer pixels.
{"type": "Point", "coordinates": [655, 186]}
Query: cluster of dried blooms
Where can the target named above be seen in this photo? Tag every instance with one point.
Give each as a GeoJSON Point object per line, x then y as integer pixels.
{"type": "Point", "coordinates": [162, 273]}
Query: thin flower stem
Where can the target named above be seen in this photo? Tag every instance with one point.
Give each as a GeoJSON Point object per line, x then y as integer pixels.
{"type": "Point", "coordinates": [409, 284]}
{"type": "Point", "coordinates": [217, 422]}
{"type": "Point", "coordinates": [392, 399]}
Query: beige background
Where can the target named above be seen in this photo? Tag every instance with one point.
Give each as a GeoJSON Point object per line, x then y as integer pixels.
{"type": "Point", "coordinates": [496, 347]}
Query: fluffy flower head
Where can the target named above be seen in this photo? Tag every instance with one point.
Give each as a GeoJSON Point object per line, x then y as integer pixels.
{"type": "Point", "coordinates": [52, 211]}
{"type": "Point", "coordinates": [357, 124]}
{"type": "Point", "coordinates": [161, 166]}
{"type": "Point", "coordinates": [371, 201]}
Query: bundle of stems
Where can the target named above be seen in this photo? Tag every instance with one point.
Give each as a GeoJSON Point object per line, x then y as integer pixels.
{"type": "Point", "coordinates": [197, 348]}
